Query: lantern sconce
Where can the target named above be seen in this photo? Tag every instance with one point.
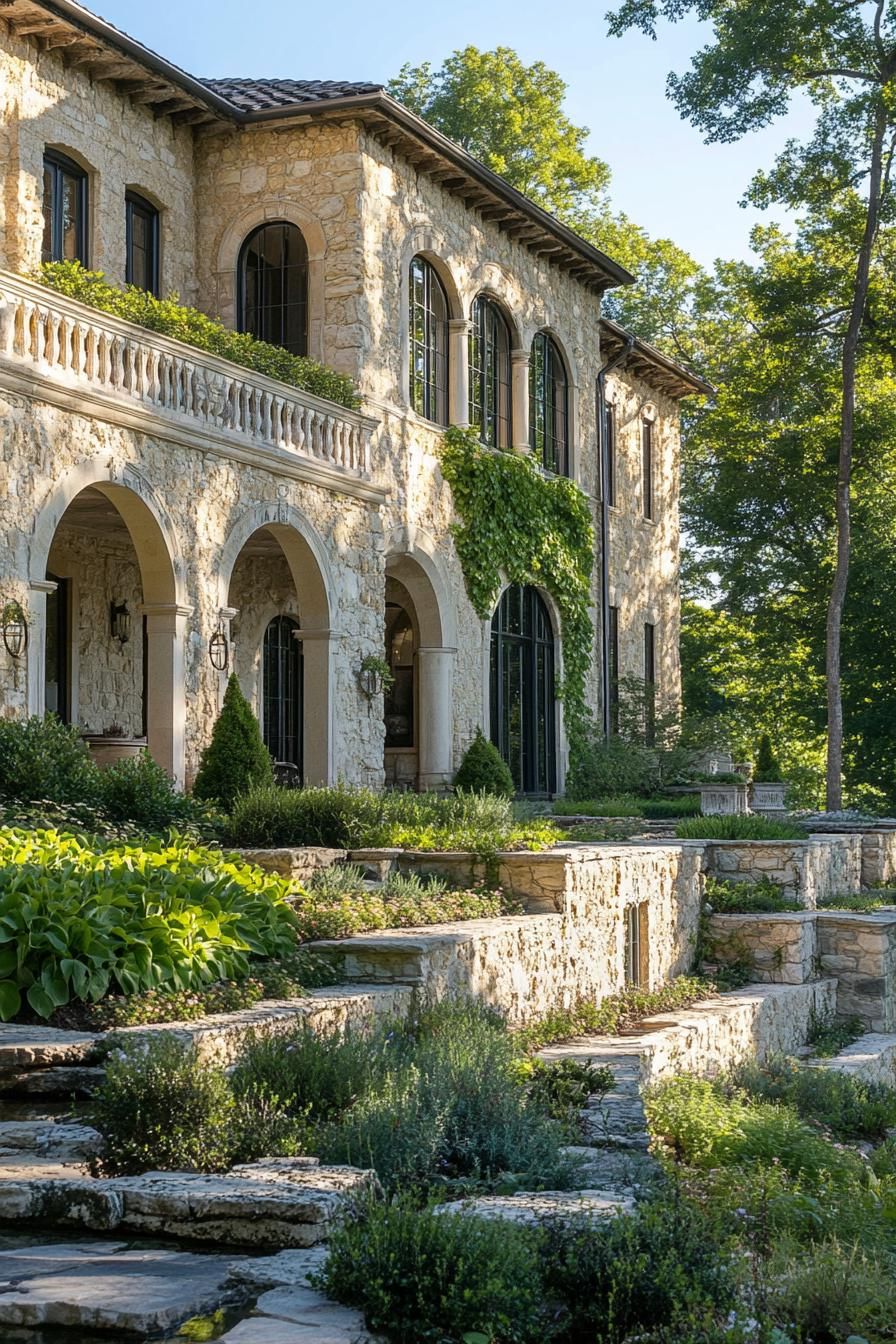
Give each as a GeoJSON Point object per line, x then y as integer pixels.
{"type": "Point", "coordinates": [375, 676]}
{"type": "Point", "coordinates": [219, 650]}
{"type": "Point", "coordinates": [120, 621]}
{"type": "Point", "coordinates": [15, 629]}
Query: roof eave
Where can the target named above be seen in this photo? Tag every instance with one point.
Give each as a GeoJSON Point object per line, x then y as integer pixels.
{"type": "Point", "coordinates": [685, 383]}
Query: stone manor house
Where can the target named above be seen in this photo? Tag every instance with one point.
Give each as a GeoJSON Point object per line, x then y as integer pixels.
{"type": "Point", "coordinates": [164, 512]}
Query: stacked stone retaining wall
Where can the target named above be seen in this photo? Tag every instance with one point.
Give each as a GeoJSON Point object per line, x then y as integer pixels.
{"type": "Point", "coordinates": [809, 871]}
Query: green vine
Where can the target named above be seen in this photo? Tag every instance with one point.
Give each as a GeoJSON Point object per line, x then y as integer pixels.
{"type": "Point", "coordinates": [531, 528]}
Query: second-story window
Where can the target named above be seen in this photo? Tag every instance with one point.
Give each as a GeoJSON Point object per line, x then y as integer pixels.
{"type": "Point", "coordinates": [647, 468]}
{"type": "Point", "coordinates": [490, 373]}
{"type": "Point", "coordinates": [273, 283]}
{"type": "Point", "coordinates": [548, 405]}
{"type": "Point", "coordinates": [142, 242]}
{"type": "Point", "coordinates": [428, 318]}
{"type": "Point", "coordinates": [65, 210]}
{"type": "Point", "coordinates": [610, 431]}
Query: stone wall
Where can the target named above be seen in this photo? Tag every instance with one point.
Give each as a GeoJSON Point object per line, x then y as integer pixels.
{"type": "Point", "coordinates": [879, 858]}
{"type": "Point", "coordinates": [808, 871]}
{"type": "Point", "coordinates": [106, 675]}
{"type": "Point", "coordinates": [860, 950]}
{"type": "Point", "coordinates": [45, 104]}
{"type": "Point", "coordinates": [780, 949]}
{"type": "Point", "coordinates": [539, 962]}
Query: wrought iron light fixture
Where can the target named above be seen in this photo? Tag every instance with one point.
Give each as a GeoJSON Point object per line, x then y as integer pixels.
{"type": "Point", "coordinates": [375, 676]}
{"type": "Point", "coordinates": [120, 621]}
{"type": "Point", "coordinates": [15, 629]}
{"type": "Point", "coordinates": [219, 650]}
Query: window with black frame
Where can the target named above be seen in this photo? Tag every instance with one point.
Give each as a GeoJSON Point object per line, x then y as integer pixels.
{"type": "Point", "coordinates": [142, 243]}
{"type": "Point", "coordinates": [273, 286]}
{"type": "Point", "coordinates": [647, 468]}
{"type": "Point", "coordinates": [523, 701]}
{"type": "Point", "coordinates": [282, 691]}
{"type": "Point", "coordinates": [398, 700]}
{"type": "Point", "coordinates": [428, 335]}
{"type": "Point", "coordinates": [549, 405]}
{"type": "Point", "coordinates": [65, 210]}
{"type": "Point", "coordinates": [490, 373]}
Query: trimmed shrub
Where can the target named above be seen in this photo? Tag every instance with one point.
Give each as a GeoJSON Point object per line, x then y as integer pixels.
{"type": "Point", "coordinates": [767, 770]}
{"type": "Point", "coordinates": [423, 1276]}
{"type": "Point", "coordinates": [236, 759]}
{"type": "Point", "coordinates": [340, 817]}
{"type": "Point", "coordinates": [483, 769]}
{"type": "Point", "coordinates": [739, 827]}
{"type": "Point", "coordinates": [138, 791]}
{"type": "Point", "coordinates": [42, 759]}
{"type": "Point", "coordinates": [171, 318]}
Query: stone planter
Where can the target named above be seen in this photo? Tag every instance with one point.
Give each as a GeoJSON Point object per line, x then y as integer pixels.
{"type": "Point", "coordinates": [107, 750]}
{"type": "Point", "coordinates": [724, 800]}
{"type": "Point", "coordinates": [766, 798]}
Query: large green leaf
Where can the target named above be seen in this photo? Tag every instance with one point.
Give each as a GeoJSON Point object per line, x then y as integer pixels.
{"type": "Point", "coordinates": [10, 1000]}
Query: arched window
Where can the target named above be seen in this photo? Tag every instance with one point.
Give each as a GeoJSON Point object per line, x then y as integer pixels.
{"type": "Point", "coordinates": [65, 209]}
{"type": "Point", "coordinates": [548, 406]}
{"type": "Point", "coordinates": [490, 373]}
{"type": "Point", "coordinates": [282, 673]}
{"type": "Point", "coordinates": [428, 342]}
{"type": "Point", "coordinates": [273, 286]}
{"type": "Point", "coordinates": [522, 689]}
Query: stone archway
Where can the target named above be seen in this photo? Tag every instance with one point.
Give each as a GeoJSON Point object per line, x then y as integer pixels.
{"type": "Point", "coordinates": [274, 564]}
{"type": "Point", "coordinates": [125, 498]}
{"type": "Point", "coordinates": [414, 585]}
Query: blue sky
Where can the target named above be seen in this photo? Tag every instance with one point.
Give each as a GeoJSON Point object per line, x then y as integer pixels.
{"type": "Point", "coordinates": [664, 176]}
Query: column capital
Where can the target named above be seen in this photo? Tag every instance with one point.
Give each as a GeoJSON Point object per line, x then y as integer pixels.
{"type": "Point", "coordinates": [42, 586]}
{"type": "Point", "coordinates": [459, 325]}
{"type": "Point", "coordinates": [164, 609]}
{"type": "Point", "coordinates": [303, 635]}
{"type": "Point", "coordinates": [519, 356]}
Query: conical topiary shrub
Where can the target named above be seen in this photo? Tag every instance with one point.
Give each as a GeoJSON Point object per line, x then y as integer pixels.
{"type": "Point", "coordinates": [767, 771]}
{"type": "Point", "coordinates": [236, 759]}
{"type": "Point", "coordinates": [483, 770]}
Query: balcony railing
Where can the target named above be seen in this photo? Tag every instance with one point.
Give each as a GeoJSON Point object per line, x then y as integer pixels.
{"type": "Point", "coordinates": [74, 346]}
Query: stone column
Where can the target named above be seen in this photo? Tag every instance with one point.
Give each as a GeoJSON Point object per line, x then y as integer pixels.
{"type": "Point", "coordinates": [519, 395]}
{"type": "Point", "coordinates": [459, 372]}
{"type": "Point", "coordinates": [435, 718]}
{"type": "Point", "coordinates": [317, 701]}
{"type": "Point", "coordinates": [166, 626]}
{"type": "Point", "coordinates": [36, 655]}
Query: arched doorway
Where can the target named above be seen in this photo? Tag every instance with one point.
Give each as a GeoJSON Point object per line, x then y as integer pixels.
{"type": "Point", "coordinates": [108, 651]}
{"type": "Point", "coordinates": [273, 583]}
{"type": "Point", "coordinates": [282, 688]}
{"type": "Point", "coordinates": [418, 709]}
{"type": "Point", "coordinates": [522, 689]}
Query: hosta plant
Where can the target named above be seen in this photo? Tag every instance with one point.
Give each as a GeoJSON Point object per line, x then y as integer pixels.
{"type": "Point", "coordinates": [79, 919]}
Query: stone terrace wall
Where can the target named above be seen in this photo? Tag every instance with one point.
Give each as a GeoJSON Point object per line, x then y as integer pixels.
{"type": "Point", "coordinates": [879, 858]}
{"type": "Point", "coordinates": [809, 871]}
{"type": "Point", "coordinates": [860, 950]}
{"type": "Point", "coordinates": [782, 949]}
{"type": "Point", "coordinates": [573, 944]}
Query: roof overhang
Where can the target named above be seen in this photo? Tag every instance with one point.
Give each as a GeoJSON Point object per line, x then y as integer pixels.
{"type": "Point", "coordinates": [646, 362]}
{"type": "Point", "coordinates": [91, 44]}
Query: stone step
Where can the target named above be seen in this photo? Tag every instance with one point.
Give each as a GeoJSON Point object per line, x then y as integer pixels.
{"type": "Point", "coordinates": [58, 1080]}
{"type": "Point", "coordinates": [287, 1203]}
{"type": "Point", "coordinates": [532, 1207]}
{"type": "Point", "coordinates": [64, 1142]}
{"type": "Point", "coordinates": [110, 1286]}
{"type": "Point", "coordinates": [872, 1058]}
{"type": "Point", "coordinates": [24, 1046]}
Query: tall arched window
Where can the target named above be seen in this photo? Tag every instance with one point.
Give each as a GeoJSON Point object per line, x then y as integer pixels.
{"type": "Point", "coordinates": [548, 405]}
{"type": "Point", "coordinates": [282, 673]}
{"type": "Point", "coordinates": [522, 689]}
{"type": "Point", "coordinates": [428, 326]}
{"type": "Point", "coordinates": [273, 286]}
{"type": "Point", "coordinates": [490, 373]}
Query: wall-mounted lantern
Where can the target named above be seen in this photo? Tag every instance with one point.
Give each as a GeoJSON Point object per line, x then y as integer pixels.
{"type": "Point", "coordinates": [219, 650]}
{"type": "Point", "coordinates": [120, 621]}
{"type": "Point", "coordinates": [375, 676]}
{"type": "Point", "coordinates": [15, 629]}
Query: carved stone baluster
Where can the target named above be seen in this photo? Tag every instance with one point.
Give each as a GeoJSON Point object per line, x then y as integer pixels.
{"type": "Point", "coordinates": [265, 426]}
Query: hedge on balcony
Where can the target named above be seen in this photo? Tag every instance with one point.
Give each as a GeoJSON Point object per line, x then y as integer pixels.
{"type": "Point", "coordinates": [172, 318]}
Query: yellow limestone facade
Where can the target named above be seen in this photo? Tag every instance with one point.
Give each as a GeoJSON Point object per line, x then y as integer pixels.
{"type": "Point", "coordinates": [138, 473]}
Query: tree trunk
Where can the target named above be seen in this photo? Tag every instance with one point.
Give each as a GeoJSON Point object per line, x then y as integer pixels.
{"type": "Point", "coordinates": [844, 469]}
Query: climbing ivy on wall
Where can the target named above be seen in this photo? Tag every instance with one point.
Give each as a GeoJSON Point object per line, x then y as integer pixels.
{"type": "Point", "coordinates": [517, 523]}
